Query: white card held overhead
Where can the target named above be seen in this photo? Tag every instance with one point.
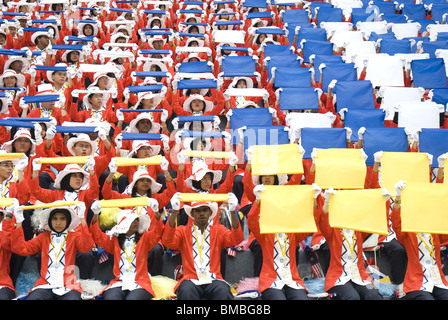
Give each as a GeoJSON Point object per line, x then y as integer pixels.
{"type": "Point", "coordinates": [232, 36]}
{"type": "Point", "coordinates": [417, 115]}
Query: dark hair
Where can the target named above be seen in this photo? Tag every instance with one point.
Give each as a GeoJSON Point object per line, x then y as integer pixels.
{"type": "Point", "coordinates": [64, 211]}
{"type": "Point", "coordinates": [121, 237]}
{"type": "Point", "coordinates": [65, 183]}
{"type": "Point", "coordinates": [194, 143]}
{"type": "Point", "coordinates": [134, 192]}
{"type": "Point", "coordinates": [275, 180]}
{"type": "Point", "coordinates": [197, 183]}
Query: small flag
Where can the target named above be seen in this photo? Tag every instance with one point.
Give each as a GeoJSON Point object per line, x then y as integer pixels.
{"type": "Point", "coordinates": [104, 256]}
{"type": "Point", "coordinates": [314, 264]}
{"type": "Point", "coordinates": [231, 252]}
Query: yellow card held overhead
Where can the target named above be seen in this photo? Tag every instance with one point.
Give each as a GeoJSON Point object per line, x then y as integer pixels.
{"type": "Point", "coordinates": [124, 203]}
{"type": "Point", "coordinates": [423, 207]}
{"type": "Point", "coordinates": [63, 160]}
{"type": "Point", "coordinates": [126, 162]}
{"type": "Point", "coordinates": [340, 168]}
{"type": "Point", "coordinates": [293, 214]}
{"type": "Point", "coordinates": [11, 155]}
{"type": "Point", "coordinates": [362, 210]}
{"type": "Point", "coordinates": [208, 154]}
{"type": "Point", "coordinates": [276, 159]}
{"type": "Point", "coordinates": [408, 166]}
{"type": "Point", "coordinates": [55, 204]}
{"type": "Point", "coordinates": [6, 202]}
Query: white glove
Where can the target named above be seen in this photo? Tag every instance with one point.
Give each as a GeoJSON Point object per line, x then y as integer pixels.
{"type": "Point", "coordinates": [249, 152]}
{"type": "Point", "coordinates": [51, 132]}
{"type": "Point", "coordinates": [348, 132]}
{"type": "Point", "coordinates": [90, 163]}
{"type": "Point", "coordinates": [113, 165]}
{"type": "Point", "coordinates": [36, 166]}
{"type": "Point", "coordinates": [430, 156]}
{"type": "Point", "coordinates": [17, 210]}
{"type": "Point", "coordinates": [164, 164]}
{"type": "Point", "coordinates": [175, 123]}
{"type": "Point", "coordinates": [387, 194]}
{"type": "Point", "coordinates": [377, 156]}
{"type": "Point", "coordinates": [178, 136]}
{"type": "Point", "coordinates": [332, 83]}
{"type": "Point", "coordinates": [301, 150]}
{"type": "Point", "coordinates": [37, 130]}
{"type": "Point", "coordinates": [22, 164]}
{"type": "Point", "coordinates": [232, 202]}
{"type": "Point", "coordinates": [363, 155]}
{"type": "Point", "coordinates": [164, 115]}
{"type": "Point", "coordinates": [317, 190]}
{"type": "Point", "coordinates": [400, 185]}
{"type": "Point", "coordinates": [216, 122]}
{"type": "Point", "coordinates": [314, 154]}
{"type": "Point", "coordinates": [342, 113]}
{"type": "Point", "coordinates": [102, 133]}
{"type": "Point", "coordinates": [233, 159]}
{"type": "Point", "coordinates": [119, 140]}
{"type": "Point", "coordinates": [227, 137]}
{"type": "Point", "coordinates": [273, 112]}
{"type": "Point", "coordinates": [153, 204]}
{"type": "Point", "coordinates": [165, 141]}
{"type": "Point", "coordinates": [96, 207]}
{"type": "Point", "coordinates": [441, 160]}
{"type": "Point", "coordinates": [80, 209]}
{"type": "Point", "coordinates": [175, 202]}
{"type": "Point", "coordinates": [181, 157]}
{"type": "Point", "coordinates": [327, 194]}
{"type": "Point", "coordinates": [361, 132]}
{"type": "Point", "coordinates": [257, 190]}
{"type": "Point", "coordinates": [120, 115]}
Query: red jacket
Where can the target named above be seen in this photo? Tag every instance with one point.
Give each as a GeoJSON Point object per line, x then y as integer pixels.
{"type": "Point", "coordinates": [181, 238]}
{"type": "Point", "coordinates": [79, 240]}
{"type": "Point", "coordinates": [148, 240]}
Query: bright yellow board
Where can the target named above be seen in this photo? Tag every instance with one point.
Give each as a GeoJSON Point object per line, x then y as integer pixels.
{"type": "Point", "coordinates": [288, 209]}
{"type": "Point", "coordinates": [340, 169]}
{"type": "Point", "coordinates": [408, 166]}
{"type": "Point", "coordinates": [362, 210]}
{"type": "Point", "coordinates": [424, 208]}
{"type": "Point", "coordinates": [276, 159]}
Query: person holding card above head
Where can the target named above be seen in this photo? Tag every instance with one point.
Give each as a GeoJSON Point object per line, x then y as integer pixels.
{"type": "Point", "coordinates": [279, 277]}
{"type": "Point", "coordinates": [424, 279]}
{"type": "Point", "coordinates": [65, 233]}
{"type": "Point", "coordinates": [130, 241]}
{"type": "Point", "coordinates": [200, 243]}
{"type": "Point", "coordinates": [346, 278]}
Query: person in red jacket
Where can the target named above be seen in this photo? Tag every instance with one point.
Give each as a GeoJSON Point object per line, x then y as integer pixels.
{"type": "Point", "coordinates": [65, 233]}
{"type": "Point", "coordinates": [7, 290]}
{"type": "Point", "coordinates": [130, 241]}
{"type": "Point", "coordinates": [347, 277]}
{"type": "Point", "coordinates": [424, 279]}
{"type": "Point", "coordinates": [200, 243]}
{"type": "Point", "coordinates": [279, 277]}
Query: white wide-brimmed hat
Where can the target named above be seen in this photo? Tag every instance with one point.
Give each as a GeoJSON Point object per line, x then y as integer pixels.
{"type": "Point", "coordinates": [124, 221]}
{"type": "Point", "coordinates": [71, 168]}
{"type": "Point", "coordinates": [212, 205]}
{"type": "Point", "coordinates": [141, 174]}
{"type": "Point", "coordinates": [21, 133]}
{"type": "Point", "coordinates": [137, 144]}
{"type": "Point", "coordinates": [199, 170]}
{"type": "Point", "coordinates": [155, 127]}
{"type": "Point", "coordinates": [208, 104]}
{"type": "Point", "coordinates": [11, 73]}
{"type": "Point", "coordinates": [83, 137]}
{"type": "Point", "coordinates": [45, 214]}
